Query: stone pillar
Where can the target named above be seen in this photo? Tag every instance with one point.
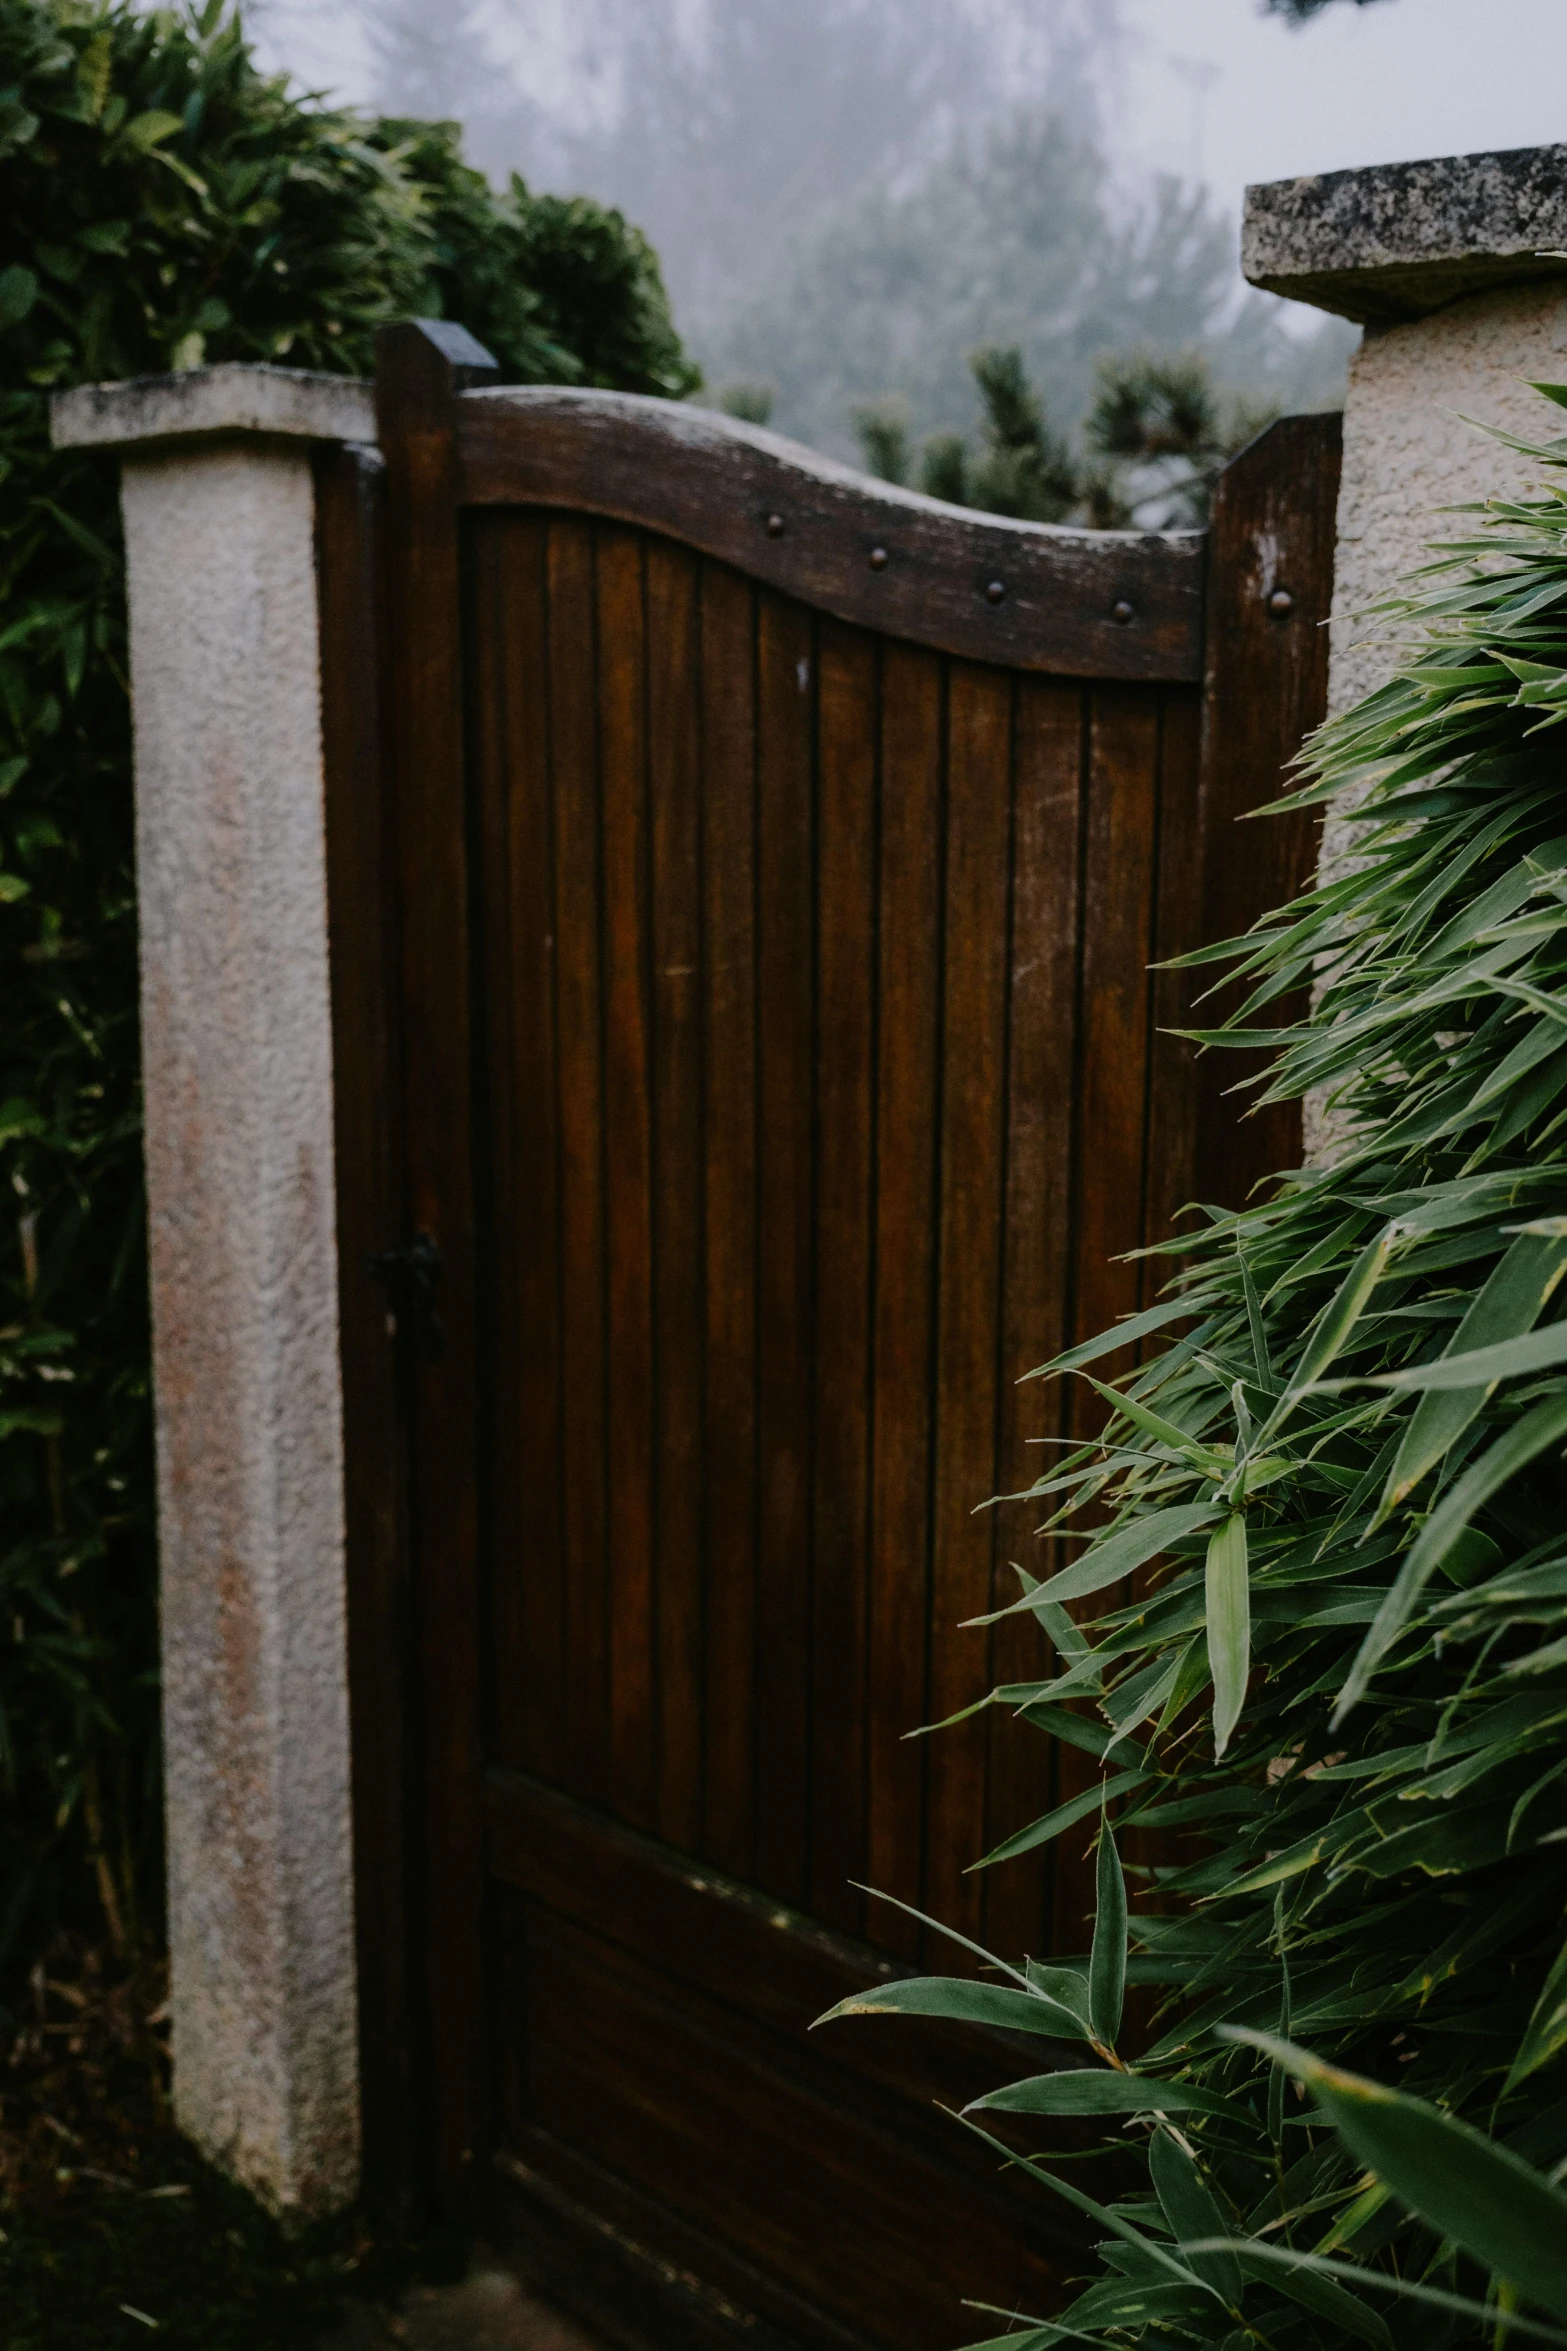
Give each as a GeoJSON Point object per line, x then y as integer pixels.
{"type": "Point", "coordinates": [237, 1064]}
{"type": "Point", "coordinates": [1449, 268]}
{"type": "Point", "coordinates": [1454, 269]}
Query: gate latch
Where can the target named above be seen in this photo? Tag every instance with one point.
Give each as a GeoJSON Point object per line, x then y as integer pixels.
{"type": "Point", "coordinates": [409, 1274]}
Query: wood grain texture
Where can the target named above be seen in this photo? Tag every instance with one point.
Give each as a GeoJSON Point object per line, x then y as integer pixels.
{"type": "Point", "coordinates": [731, 1140]}
{"type": "Point", "coordinates": [629, 990]}
{"type": "Point", "coordinates": [676, 953]}
{"type": "Point", "coordinates": [846, 1046]}
{"type": "Point", "coordinates": [350, 560]}
{"type": "Point", "coordinates": [578, 934]}
{"type": "Point", "coordinates": [786, 1281]}
{"type": "Point", "coordinates": [417, 386]}
{"type": "Point", "coordinates": [658, 2095]}
{"type": "Point", "coordinates": [1265, 686]}
{"type": "Point", "coordinates": [818, 1085]}
{"type": "Point", "coordinates": [510, 619]}
{"type": "Point", "coordinates": [1046, 911]}
{"type": "Point", "coordinates": [908, 1061]}
{"type": "Point", "coordinates": [1111, 604]}
{"type": "Point", "coordinates": [972, 1192]}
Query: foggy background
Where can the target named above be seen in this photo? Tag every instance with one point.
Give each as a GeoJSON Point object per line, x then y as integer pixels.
{"type": "Point", "coordinates": [850, 196]}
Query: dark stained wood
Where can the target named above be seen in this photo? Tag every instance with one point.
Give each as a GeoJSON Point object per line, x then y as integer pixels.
{"type": "Point", "coordinates": [972, 1194]}
{"type": "Point", "coordinates": [1265, 687]}
{"type": "Point", "coordinates": [903, 1255]}
{"type": "Point", "coordinates": [674, 740]}
{"type": "Point", "coordinates": [1048, 763]}
{"type": "Point", "coordinates": [1119, 882]}
{"type": "Point", "coordinates": [629, 991]}
{"type": "Point", "coordinates": [731, 1143]}
{"type": "Point", "coordinates": [420, 373]}
{"type": "Point", "coordinates": [578, 931]}
{"type": "Point", "coordinates": [786, 1288]}
{"type": "Point", "coordinates": [349, 490]}
{"type": "Point", "coordinates": [1118, 916]}
{"type": "Point", "coordinates": [517, 878]}
{"type": "Point", "coordinates": [1171, 1144]}
{"type": "Point", "coordinates": [857, 2160]}
{"type": "Point", "coordinates": [784, 1079]}
{"type": "Point", "coordinates": [789, 517]}
{"type": "Point", "coordinates": [846, 1044]}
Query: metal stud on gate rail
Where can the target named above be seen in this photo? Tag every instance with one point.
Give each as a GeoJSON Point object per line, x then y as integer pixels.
{"type": "Point", "coordinates": [878, 559]}
{"type": "Point", "coordinates": [775, 526]}
{"type": "Point", "coordinates": [995, 592]}
{"type": "Point", "coordinates": [1281, 602]}
{"type": "Point", "coordinates": [1121, 612]}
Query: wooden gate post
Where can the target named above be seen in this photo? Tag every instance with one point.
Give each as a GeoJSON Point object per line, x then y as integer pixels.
{"type": "Point", "coordinates": [237, 1039]}
{"type": "Point", "coordinates": [420, 369]}
{"type": "Point", "coordinates": [1265, 686]}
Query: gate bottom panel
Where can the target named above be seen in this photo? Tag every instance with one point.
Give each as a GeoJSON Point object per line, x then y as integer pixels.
{"type": "Point", "coordinates": [659, 2079]}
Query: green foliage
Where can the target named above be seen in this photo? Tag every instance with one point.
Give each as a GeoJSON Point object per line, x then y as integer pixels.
{"type": "Point", "coordinates": [1486, 2200]}
{"type": "Point", "coordinates": [163, 203]}
{"type": "Point", "coordinates": [1160, 430]}
{"type": "Point", "coordinates": [1337, 1693]}
{"type": "Point", "coordinates": [752, 403]}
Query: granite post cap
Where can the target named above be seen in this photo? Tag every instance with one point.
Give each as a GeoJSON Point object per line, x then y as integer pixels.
{"type": "Point", "coordinates": [1397, 241]}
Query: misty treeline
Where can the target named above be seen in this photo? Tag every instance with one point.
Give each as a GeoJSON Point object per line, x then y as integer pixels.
{"type": "Point", "coordinates": [852, 197]}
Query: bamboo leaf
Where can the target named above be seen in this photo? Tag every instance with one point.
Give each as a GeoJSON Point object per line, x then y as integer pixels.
{"type": "Point", "coordinates": [1088, 2091]}
{"type": "Point", "coordinates": [1523, 1442]}
{"type": "Point", "coordinates": [1511, 1301]}
{"type": "Point", "coordinates": [1107, 1960]}
{"type": "Point", "coordinates": [963, 2002]}
{"type": "Point", "coordinates": [1228, 1611]}
{"type": "Point", "coordinates": [1497, 2207]}
{"type": "Point", "coordinates": [1546, 2034]}
{"type": "Point", "coordinates": [1189, 2207]}
{"type": "Point", "coordinates": [1115, 1555]}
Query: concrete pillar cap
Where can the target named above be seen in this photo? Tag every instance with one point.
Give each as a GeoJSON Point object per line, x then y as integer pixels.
{"type": "Point", "coordinates": [237, 397]}
{"type": "Point", "coordinates": [1400, 240]}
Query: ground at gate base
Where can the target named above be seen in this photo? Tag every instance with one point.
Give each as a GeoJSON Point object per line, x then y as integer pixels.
{"type": "Point", "coordinates": [115, 2236]}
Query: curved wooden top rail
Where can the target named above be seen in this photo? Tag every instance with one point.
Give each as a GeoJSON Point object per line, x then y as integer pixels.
{"type": "Point", "coordinates": [1028, 595]}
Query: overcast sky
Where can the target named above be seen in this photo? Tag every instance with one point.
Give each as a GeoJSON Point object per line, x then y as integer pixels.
{"type": "Point", "coordinates": [1212, 84]}
{"type": "Point", "coordinates": [1381, 84]}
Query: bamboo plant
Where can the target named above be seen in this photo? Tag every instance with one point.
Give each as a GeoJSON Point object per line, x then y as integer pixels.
{"type": "Point", "coordinates": [1311, 1610]}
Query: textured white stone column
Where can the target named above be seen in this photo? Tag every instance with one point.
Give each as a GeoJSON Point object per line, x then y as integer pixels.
{"type": "Point", "coordinates": [1449, 267]}
{"type": "Point", "coordinates": [237, 1062]}
{"type": "Point", "coordinates": [1454, 269]}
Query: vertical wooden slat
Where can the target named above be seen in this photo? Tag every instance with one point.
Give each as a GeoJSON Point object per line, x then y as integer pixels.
{"type": "Point", "coordinates": [974, 1045]}
{"type": "Point", "coordinates": [623, 733]}
{"type": "Point", "coordinates": [1118, 928]}
{"type": "Point", "coordinates": [1173, 1082]}
{"type": "Point", "coordinates": [349, 487]}
{"type": "Point", "coordinates": [908, 990]}
{"type": "Point", "coordinates": [785, 1289]}
{"type": "Point", "coordinates": [1047, 817]}
{"type": "Point", "coordinates": [527, 1579]}
{"type": "Point", "coordinates": [1265, 687]}
{"type": "Point", "coordinates": [845, 1080]}
{"type": "Point", "coordinates": [580, 1014]}
{"type": "Point", "coordinates": [728, 748]}
{"type": "Point", "coordinates": [420, 371]}
{"type": "Point", "coordinates": [1118, 885]}
{"type": "Point", "coordinates": [675, 788]}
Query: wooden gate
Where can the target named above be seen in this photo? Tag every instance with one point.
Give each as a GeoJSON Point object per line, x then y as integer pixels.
{"type": "Point", "coordinates": [745, 1030]}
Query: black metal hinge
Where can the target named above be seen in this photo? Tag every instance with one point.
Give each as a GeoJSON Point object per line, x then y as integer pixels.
{"type": "Point", "coordinates": [409, 1274]}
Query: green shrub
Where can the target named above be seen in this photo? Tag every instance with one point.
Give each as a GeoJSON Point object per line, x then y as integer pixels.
{"type": "Point", "coordinates": [161, 202]}
{"type": "Point", "coordinates": [1322, 1599]}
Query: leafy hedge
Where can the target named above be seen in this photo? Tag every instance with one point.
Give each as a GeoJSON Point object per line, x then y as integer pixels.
{"type": "Point", "coordinates": [161, 203]}
{"type": "Point", "coordinates": [1320, 1647]}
